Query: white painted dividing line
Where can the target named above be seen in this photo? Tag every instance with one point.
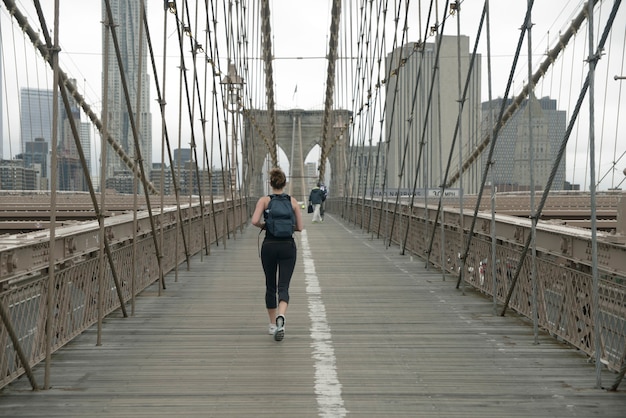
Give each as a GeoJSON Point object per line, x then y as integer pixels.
{"type": "Point", "coordinates": [327, 386]}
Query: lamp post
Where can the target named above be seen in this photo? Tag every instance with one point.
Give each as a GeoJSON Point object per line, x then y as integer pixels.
{"type": "Point", "coordinates": [232, 102]}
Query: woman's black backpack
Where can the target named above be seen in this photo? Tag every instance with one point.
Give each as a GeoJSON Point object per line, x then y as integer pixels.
{"type": "Point", "coordinates": [280, 220]}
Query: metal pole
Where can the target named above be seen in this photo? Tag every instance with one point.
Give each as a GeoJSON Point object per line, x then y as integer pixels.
{"type": "Point", "coordinates": [593, 59]}
{"type": "Point", "coordinates": [103, 171]}
{"type": "Point", "coordinates": [51, 291]}
{"type": "Point", "coordinates": [531, 158]}
{"type": "Point", "coordinates": [460, 93]}
{"type": "Point", "coordinates": [494, 258]}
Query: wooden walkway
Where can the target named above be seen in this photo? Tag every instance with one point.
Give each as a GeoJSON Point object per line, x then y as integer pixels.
{"type": "Point", "coordinates": [369, 333]}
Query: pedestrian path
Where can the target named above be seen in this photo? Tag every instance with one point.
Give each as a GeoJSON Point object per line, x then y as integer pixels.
{"type": "Point", "coordinates": [369, 332]}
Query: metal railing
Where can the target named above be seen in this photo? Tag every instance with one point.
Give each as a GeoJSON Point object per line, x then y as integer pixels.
{"type": "Point", "coordinates": [24, 278]}
{"type": "Point", "coordinates": [564, 279]}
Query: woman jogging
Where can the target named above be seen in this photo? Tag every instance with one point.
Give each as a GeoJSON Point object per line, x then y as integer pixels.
{"type": "Point", "coordinates": [278, 253]}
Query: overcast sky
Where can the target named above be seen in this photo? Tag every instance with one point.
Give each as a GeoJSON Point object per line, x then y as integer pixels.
{"type": "Point", "coordinates": [300, 40]}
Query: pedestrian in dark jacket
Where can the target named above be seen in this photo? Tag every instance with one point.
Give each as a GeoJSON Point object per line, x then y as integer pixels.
{"type": "Point", "coordinates": [316, 197]}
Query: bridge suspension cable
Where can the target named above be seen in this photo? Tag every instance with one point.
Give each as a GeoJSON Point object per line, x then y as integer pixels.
{"type": "Point", "coordinates": [330, 86]}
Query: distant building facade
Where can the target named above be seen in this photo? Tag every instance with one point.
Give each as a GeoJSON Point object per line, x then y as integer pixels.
{"type": "Point", "coordinates": [36, 124]}
{"type": "Point", "coordinates": [36, 135]}
{"type": "Point", "coordinates": [36, 153]}
{"type": "Point", "coordinates": [212, 182]}
{"type": "Point", "coordinates": [409, 73]}
{"type": "Point", "coordinates": [311, 174]}
{"type": "Point", "coordinates": [511, 170]}
{"type": "Point", "coordinates": [369, 166]}
{"type": "Point", "coordinates": [70, 170]}
{"type": "Point", "coordinates": [15, 176]}
{"type": "Point", "coordinates": [181, 156]}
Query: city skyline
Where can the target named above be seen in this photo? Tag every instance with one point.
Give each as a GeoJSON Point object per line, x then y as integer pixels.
{"type": "Point", "coordinates": [300, 68]}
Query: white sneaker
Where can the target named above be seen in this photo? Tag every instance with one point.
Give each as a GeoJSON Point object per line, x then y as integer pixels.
{"type": "Point", "coordinates": [272, 329]}
{"type": "Point", "coordinates": [279, 333]}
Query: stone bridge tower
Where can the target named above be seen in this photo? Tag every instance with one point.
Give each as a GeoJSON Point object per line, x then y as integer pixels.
{"type": "Point", "coordinates": [297, 132]}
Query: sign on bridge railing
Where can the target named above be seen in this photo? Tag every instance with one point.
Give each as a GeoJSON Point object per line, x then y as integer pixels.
{"type": "Point", "coordinates": [406, 192]}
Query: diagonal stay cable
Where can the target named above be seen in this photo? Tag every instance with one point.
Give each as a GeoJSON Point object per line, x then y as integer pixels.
{"type": "Point", "coordinates": [429, 101]}
{"type": "Point", "coordinates": [389, 72]}
{"type": "Point", "coordinates": [426, 116]}
{"type": "Point", "coordinates": [456, 130]}
{"type": "Point", "coordinates": [120, 64]}
{"type": "Point", "coordinates": [196, 49]}
{"type": "Point", "coordinates": [418, 78]}
{"type": "Point", "coordinates": [495, 137]}
{"type": "Point", "coordinates": [79, 148]}
{"type": "Point", "coordinates": [162, 104]}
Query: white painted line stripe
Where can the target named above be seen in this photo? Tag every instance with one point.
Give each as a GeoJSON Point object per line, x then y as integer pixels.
{"type": "Point", "coordinates": [327, 386]}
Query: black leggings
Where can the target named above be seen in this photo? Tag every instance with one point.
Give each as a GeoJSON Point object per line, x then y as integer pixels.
{"type": "Point", "coordinates": [277, 256]}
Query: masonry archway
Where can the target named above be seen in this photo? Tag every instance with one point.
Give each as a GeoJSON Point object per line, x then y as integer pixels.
{"type": "Point", "coordinates": [297, 133]}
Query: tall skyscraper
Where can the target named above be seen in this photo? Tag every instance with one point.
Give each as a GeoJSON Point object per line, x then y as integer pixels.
{"type": "Point", "coordinates": [408, 76]}
{"type": "Point", "coordinates": [36, 126]}
{"type": "Point", "coordinates": [36, 156]}
{"type": "Point", "coordinates": [182, 156]}
{"type": "Point", "coordinates": [127, 22]}
{"type": "Point", "coordinates": [71, 176]}
{"type": "Point", "coordinates": [511, 170]}
{"type": "Point", "coordinates": [36, 121]}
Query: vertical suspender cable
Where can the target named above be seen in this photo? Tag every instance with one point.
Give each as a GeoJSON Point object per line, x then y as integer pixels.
{"type": "Point", "coordinates": [164, 133]}
{"type": "Point", "coordinates": [461, 101]}
{"type": "Point", "coordinates": [593, 61]}
{"type": "Point", "coordinates": [214, 57]}
{"type": "Point", "coordinates": [613, 169]}
{"type": "Point", "coordinates": [491, 125]}
{"type": "Point", "coordinates": [401, 62]}
{"type": "Point", "coordinates": [454, 138]}
{"type": "Point", "coordinates": [425, 125]}
{"type": "Point", "coordinates": [51, 293]}
{"type": "Point", "coordinates": [442, 242]}
{"type": "Point", "coordinates": [531, 146]}
{"type": "Point", "coordinates": [381, 105]}
{"type": "Point", "coordinates": [194, 166]}
{"type": "Point", "coordinates": [133, 264]}
{"type": "Point", "coordinates": [162, 107]}
{"type": "Point", "coordinates": [427, 111]}
{"type": "Point", "coordinates": [206, 163]}
{"type": "Point", "coordinates": [136, 141]}
{"type": "Point", "coordinates": [493, 142]}
{"type": "Point", "coordinates": [388, 74]}
{"type": "Point", "coordinates": [103, 170]}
